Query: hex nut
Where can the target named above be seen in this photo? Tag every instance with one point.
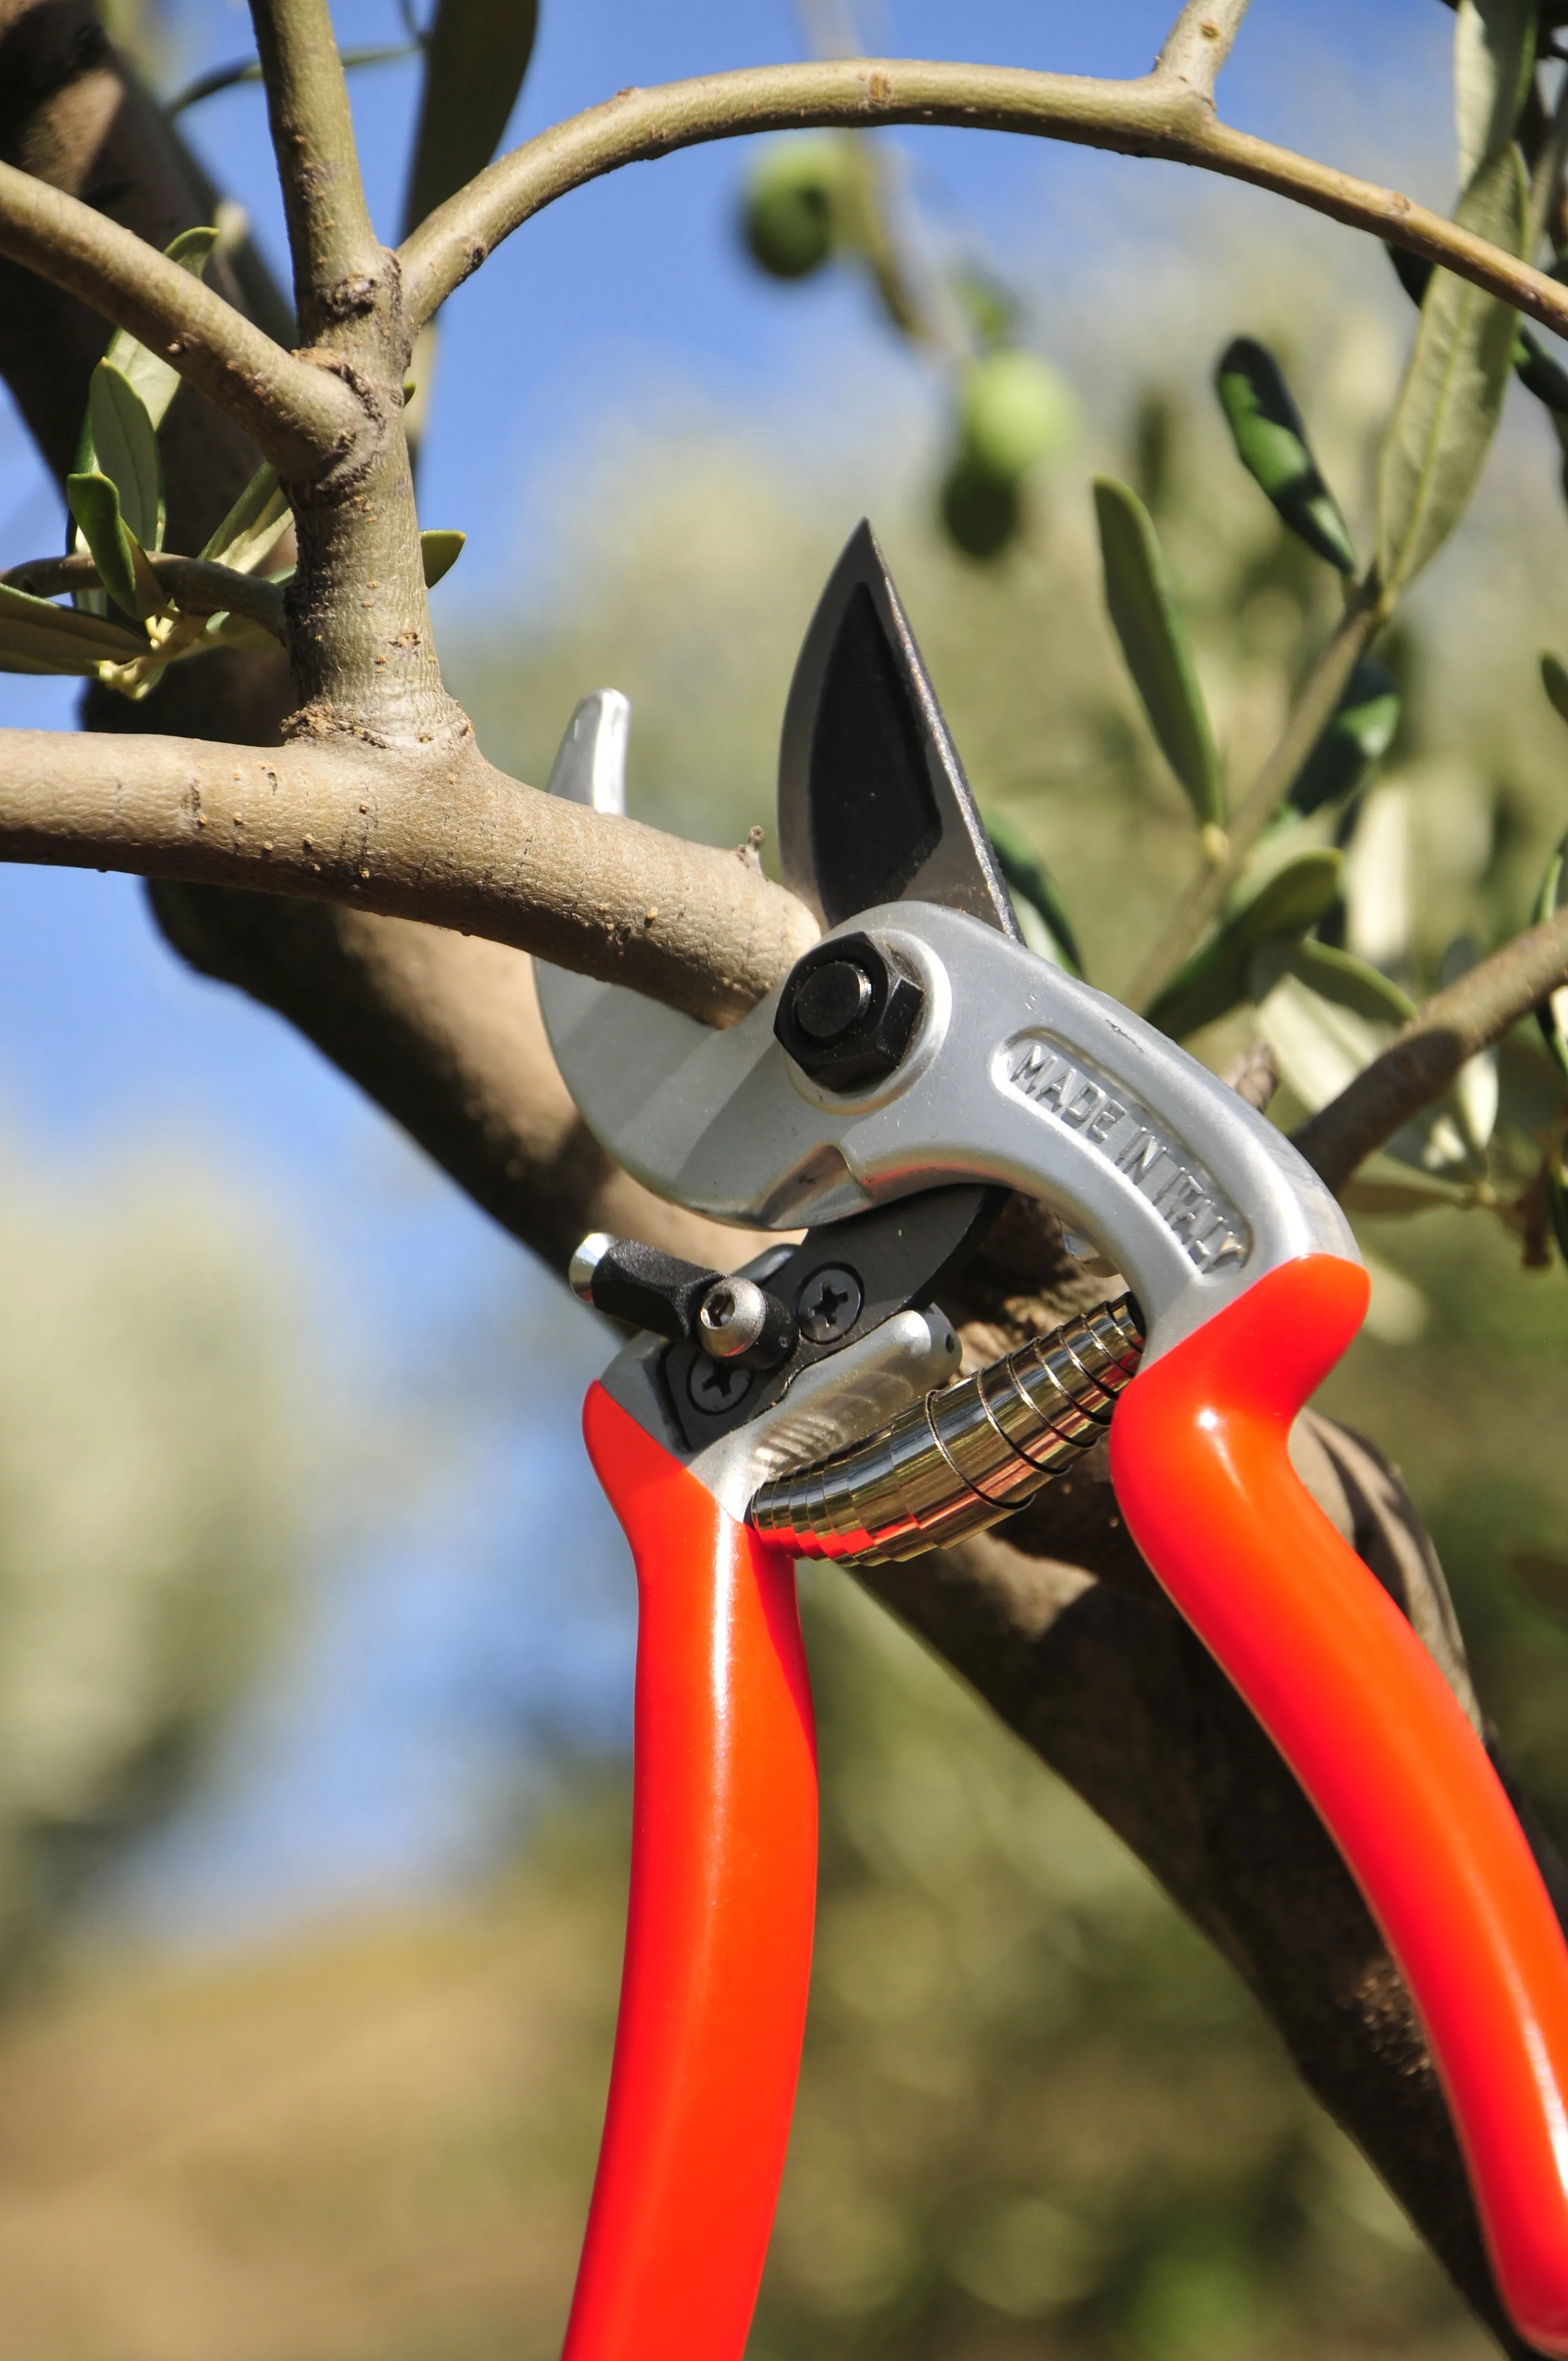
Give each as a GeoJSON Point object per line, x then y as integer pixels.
{"type": "Point", "coordinates": [849, 1011]}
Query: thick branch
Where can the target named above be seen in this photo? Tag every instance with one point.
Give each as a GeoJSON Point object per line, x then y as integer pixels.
{"type": "Point", "coordinates": [1422, 1063]}
{"type": "Point", "coordinates": [338, 256]}
{"type": "Point", "coordinates": [1159, 114]}
{"type": "Point", "coordinates": [1199, 41]}
{"type": "Point", "coordinates": [449, 839]}
{"type": "Point", "coordinates": [301, 417]}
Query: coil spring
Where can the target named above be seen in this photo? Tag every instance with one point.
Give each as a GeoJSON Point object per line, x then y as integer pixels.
{"type": "Point", "coordinates": [964, 1457]}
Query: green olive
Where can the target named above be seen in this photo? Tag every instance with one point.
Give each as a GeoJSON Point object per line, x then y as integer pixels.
{"type": "Point", "coordinates": [980, 511]}
{"type": "Point", "coordinates": [1014, 409]}
{"type": "Point", "coordinates": [790, 205]}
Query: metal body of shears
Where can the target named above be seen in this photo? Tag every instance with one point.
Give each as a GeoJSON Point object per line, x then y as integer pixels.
{"type": "Point", "coordinates": [918, 1062]}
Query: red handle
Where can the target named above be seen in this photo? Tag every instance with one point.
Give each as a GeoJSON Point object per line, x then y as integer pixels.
{"type": "Point", "coordinates": [718, 1927]}
{"type": "Point", "coordinates": [1375, 1735]}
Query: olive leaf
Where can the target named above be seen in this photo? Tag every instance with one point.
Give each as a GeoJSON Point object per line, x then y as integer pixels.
{"type": "Point", "coordinates": [1556, 1184]}
{"type": "Point", "coordinates": [1326, 1015]}
{"type": "Point", "coordinates": [1453, 394]}
{"type": "Point", "coordinates": [253, 527]}
{"type": "Point", "coordinates": [35, 636]}
{"type": "Point", "coordinates": [477, 53]}
{"type": "Point", "coordinates": [1554, 681]}
{"type": "Point", "coordinates": [125, 444]}
{"type": "Point", "coordinates": [1148, 625]}
{"type": "Point", "coordinates": [1271, 443]}
{"type": "Point", "coordinates": [1360, 734]}
{"type": "Point", "coordinates": [1042, 917]}
{"type": "Point", "coordinates": [150, 376]}
{"type": "Point", "coordinates": [439, 553]}
{"type": "Point", "coordinates": [1493, 57]}
{"type": "Point", "coordinates": [1553, 1014]}
{"type": "Point", "coordinates": [1281, 909]}
{"type": "Point", "coordinates": [115, 550]}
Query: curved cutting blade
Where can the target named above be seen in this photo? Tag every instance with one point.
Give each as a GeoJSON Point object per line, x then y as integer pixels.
{"type": "Point", "coordinates": [873, 805]}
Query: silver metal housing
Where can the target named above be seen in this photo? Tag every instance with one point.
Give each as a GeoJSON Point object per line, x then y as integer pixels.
{"type": "Point", "coordinates": [1018, 1073]}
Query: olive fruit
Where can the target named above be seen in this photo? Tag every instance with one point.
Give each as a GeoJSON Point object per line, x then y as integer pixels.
{"type": "Point", "coordinates": [980, 511]}
{"type": "Point", "coordinates": [790, 199]}
{"type": "Point", "coordinates": [1014, 409]}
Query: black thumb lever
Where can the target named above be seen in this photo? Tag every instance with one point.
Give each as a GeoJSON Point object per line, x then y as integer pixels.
{"type": "Point", "coordinates": [733, 1320]}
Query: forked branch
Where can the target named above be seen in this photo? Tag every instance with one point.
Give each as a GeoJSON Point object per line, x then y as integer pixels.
{"type": "Point", "coordinates": [298, 416]}
{"type": "Point", "coordinates": [1160, 114]}
{"type": "Point", "coordinates": [1199, 41]}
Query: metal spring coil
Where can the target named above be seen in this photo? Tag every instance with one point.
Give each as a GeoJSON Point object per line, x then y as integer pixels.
{"type": "Point", "coordinates": [966, 1456]}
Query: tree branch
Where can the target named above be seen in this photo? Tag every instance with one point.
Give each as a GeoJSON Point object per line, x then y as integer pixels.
{"type": "Point", "coordinates": [302, 417]}
{"type": "Point", "coordinates": [338, 260]}
{"type": "Point", "coordinates": [1159, 115]}
{"type": "Point", "coordinates": [1422, 1062]}
{"type": "Point", "coordinates": [193, 584]}
{"type": "Point", "coordinates": [1199, 43]}
{"type": "Point", "coordinates": [445, 838]}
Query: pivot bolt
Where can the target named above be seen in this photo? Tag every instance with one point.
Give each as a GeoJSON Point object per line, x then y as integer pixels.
{"type": "Point", "coordinates": [831, 999]}
{"type": "Point", "coordinates": [849, 1012]}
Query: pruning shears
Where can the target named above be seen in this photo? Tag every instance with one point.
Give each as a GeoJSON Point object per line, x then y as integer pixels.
{"type": "Point", "coordinates": [917, 1063]}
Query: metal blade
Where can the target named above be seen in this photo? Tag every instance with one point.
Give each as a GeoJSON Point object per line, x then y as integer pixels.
{"type": "Point", "coordinates": [873, 805]}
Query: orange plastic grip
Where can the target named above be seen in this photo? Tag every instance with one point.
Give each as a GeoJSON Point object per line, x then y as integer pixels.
{"type": "Point", "coordinates": [1375, 1737]}
{"type": "Point", "coordinates": [718, 1927]}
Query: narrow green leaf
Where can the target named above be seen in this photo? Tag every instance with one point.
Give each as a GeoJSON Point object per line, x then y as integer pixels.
{"type": "Point", "coordinates": [1271, 443]}
{"type": "Point", "coordinates": [1494, 56]}
{"type": "Point", "coordinates": [153, 377]}
{"type": "Point", "coordinates": [126, 445]}
{"type": "Point", "coordinates": [476, 55]}
{"type": "Point", "coordinates": [1218, 976]}
{"type": "Point", "coordinates": [1359, 735]}
{"type": "Point", "coordinates": [1554, 680]}
{"type": "Point", "coordinates": [1534, 365]}
{"type": "Point", "coordinates": [1039, 906]}
{"type": "Point", "coordinates": [35, 636]}
{"type": "Point", "coordinates": [439, 553]}
{"type": "Point", "coordinates": [1453, 393]}
{"type": "Point", "coordinates": [253, 527]}
{"type": "Point", "coordinates": [94, 503]}
{"type": "Point", "coordinates": [1552, 1014]}
{"type": "Point", "coordinates": [1382, 1186]}
{"type": "Point", "coordinates": [1143, 608]}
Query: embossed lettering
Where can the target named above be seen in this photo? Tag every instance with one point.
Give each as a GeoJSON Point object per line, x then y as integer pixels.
{"type": "Point", "coordinates": [1198, 1219]}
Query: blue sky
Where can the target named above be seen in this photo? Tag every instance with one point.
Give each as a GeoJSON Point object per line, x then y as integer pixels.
{"type": "Point", "coordinates": [375, 1766]}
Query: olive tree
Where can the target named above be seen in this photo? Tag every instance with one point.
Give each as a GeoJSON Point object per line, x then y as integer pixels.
{"type": "Point", "coordinates": [268, 740]}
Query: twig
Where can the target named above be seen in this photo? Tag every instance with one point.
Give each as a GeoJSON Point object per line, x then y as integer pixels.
{"type": "Point", "coordinates": [1422, 1062]}
{"type": "Point", "coordinates": [1199, 41]}
{"type": "Point", "coordinates": [1310, 717]}
{"type": "Point", "coordinates": [193, 584]}
{"type": "Point", "coordinates": [249, 70]}
{"type": "Point", "coordinates": [1158, 114]}
{"type": "Point", "coordinates": [338, 260]}
{"type": "Point", "coordinates": [300, 417]}
{"type": "Point", "coordinates": [437, 835]}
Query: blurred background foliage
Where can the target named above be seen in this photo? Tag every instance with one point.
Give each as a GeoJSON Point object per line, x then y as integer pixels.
{"type": "Point", "coordinates": [1038, 2117]}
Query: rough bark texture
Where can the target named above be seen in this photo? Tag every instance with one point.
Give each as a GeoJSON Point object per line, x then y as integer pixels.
{"type": "Point", "coordinates": [1060, 1627]}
